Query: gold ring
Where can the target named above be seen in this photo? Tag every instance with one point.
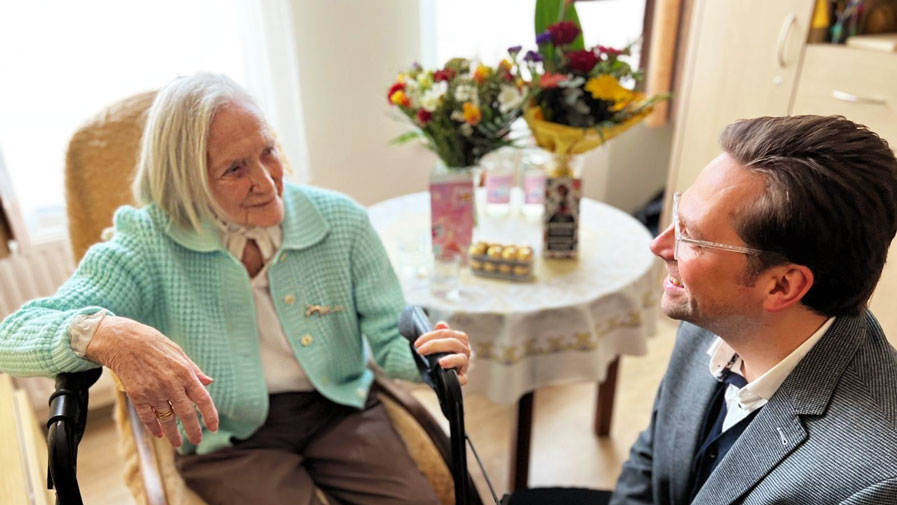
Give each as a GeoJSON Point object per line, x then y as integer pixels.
{"type": "Point", "coordinates": [165, 415]}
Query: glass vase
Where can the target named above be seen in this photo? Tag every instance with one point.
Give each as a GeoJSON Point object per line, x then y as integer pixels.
{"type": "Point", "coordinates": [452, 211]}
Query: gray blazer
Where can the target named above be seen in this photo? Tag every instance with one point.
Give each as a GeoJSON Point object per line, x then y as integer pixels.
{"type": "Point", "coordinates": [827, 436]}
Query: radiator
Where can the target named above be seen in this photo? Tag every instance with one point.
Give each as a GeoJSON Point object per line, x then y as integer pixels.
{"type": "Point", "coordinates": [36, 273]}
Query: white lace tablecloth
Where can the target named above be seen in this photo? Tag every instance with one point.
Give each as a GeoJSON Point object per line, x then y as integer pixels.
{"type": "Point", "coordinates": [567, 325]}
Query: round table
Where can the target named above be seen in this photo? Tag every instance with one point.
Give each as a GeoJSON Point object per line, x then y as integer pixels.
{"type": "Point", "coordinates": [570, 323]}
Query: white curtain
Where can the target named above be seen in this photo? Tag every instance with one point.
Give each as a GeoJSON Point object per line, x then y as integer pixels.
{"type": "Point", "coordinates": [62, 62]}
{"type": "Point", "coordinates": [272, 75]}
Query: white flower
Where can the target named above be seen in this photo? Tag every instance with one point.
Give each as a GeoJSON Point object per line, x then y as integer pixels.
{"type": "Point", "coordinates": [425, 79]}
{"type": "Point", "coordinates": [467, 93]}
{"type": "Point", "coordinates": [412, 91]}
{"type": "Point", "coordinates": [433, 96]}
{"type": "Point", "coordinates": [457, 115]}
{"type": "Point", "coordinates": [466, 130]}
{"type": "Point", "coordinates": [509, 98]}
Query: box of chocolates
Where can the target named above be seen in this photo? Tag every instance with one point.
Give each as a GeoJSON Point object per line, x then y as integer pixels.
{"type": "Point", "coordinates": [499, 261]}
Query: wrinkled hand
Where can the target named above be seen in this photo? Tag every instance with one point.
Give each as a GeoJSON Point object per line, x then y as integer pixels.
{"type": "Point", "coordinates": [444, 339]}
{"type": "Point", "coordinates": [157, 376]}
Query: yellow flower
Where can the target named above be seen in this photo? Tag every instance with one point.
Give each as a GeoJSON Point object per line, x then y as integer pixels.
{"type": "Point", "coordinates": [400, 98]}
{"type": "Point", "coordinates": [481, 73]}
{"type": "Point", "coordinates": [605, 87]}
{"type": "Point", "coordinates": [472, 114]}
{"type": "Point", "coordinates": [506, 65]}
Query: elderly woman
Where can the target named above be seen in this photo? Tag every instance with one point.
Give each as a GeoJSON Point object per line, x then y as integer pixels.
{"type": "Point", "coordinates": [244, 299]}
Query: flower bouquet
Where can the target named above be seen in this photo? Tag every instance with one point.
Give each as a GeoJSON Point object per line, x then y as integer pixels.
{"type": "Point", "coordinates": [577, 102]}
{"type": "Point", "coordinates": [461, 112]}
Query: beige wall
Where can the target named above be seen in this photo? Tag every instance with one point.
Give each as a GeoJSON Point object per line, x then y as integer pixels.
{"type": "Point", "coordinates": [349, 53]}
{"type": "Point", "coordinates": [630, 169]}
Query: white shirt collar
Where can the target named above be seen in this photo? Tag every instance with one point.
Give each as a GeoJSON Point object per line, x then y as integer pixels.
{"type": "Point", "coordinates": [235, 236]}
{"type": "Point", "coordinates": [756, 393]}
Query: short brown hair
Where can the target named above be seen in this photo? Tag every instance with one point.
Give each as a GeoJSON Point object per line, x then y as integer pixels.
{"type": "Point", "coordinates": [830, 203]}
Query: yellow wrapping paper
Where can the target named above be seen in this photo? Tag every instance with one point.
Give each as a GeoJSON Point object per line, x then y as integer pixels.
{"type": "Point", "coordinates": [564, 141]}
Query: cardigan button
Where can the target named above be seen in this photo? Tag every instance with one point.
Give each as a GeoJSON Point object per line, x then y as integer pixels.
{"type": "Point", "coordinates": [289, 299]}
{"type": "Point", "coordinates": [306, 340]}
{"type": "Point", "coordinates": [361, 393]}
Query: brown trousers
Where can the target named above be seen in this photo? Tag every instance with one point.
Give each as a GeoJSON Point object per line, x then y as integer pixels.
{"type": "Point", "coordinates": [354, 456]}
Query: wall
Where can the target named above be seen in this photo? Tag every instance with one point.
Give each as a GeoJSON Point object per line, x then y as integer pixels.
{"type": "Point", "coordinates": [349, 52]}
{"type": "Point", "coordinates": [630, 169]}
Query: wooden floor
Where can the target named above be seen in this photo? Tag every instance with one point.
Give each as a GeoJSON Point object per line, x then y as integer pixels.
{"type": "Point", "coordinates": [565, 451]}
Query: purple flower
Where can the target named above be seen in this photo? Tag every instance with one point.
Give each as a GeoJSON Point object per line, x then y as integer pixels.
{"type": "Point", "coordinates": [514, 50]}
{"type": "Point", "coordinates": [532, 56]}
{"type": "Point", "coordinates": [543, 38]}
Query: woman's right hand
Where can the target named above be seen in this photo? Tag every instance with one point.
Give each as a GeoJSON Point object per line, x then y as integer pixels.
{"type": "Point", "coordinates": [155, 372]}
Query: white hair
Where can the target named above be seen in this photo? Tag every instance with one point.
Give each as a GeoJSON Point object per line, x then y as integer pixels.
{"type": "Point", "coordinates": [172, 169]}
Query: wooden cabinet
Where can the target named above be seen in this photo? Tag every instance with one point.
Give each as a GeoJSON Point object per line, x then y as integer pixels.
{"type": "Point", "coordinates": [750, 58]}
{"type": "Point", "coordinates": [859, 85]}
{"type": "Point", "coordinates": [741, 62]}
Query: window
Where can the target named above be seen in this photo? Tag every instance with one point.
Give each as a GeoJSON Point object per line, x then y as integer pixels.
{"type": "Point", "coordinates": [484, 30]}
{"type": "Point", "coordinates": [64, 62]}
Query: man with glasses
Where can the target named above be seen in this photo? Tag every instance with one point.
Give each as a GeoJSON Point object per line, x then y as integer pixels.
{"type": "Point", "coordinates": [782, 388]}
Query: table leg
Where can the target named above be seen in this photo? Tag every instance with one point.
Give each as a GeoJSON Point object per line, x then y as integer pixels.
{"type": "Point", "coordinates": [605, 404]}
{"type": "Point", "coordinates": [520, 444]}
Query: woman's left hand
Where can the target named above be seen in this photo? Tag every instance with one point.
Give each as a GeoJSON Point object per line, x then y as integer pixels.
{"type": "Point", "coordinates": [444, 339]}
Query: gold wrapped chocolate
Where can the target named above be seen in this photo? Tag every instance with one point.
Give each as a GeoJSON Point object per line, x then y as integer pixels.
{"type": "Point", "coordinates": [476, 265]}
{"type": "Point", "coordinates": [488, 266]}
{"type": "Point", "coordinates": [521, 270]}
{"type": "Point", "coordinates": [494, 251]}
{"type": "Point", "coordinates": [504, 268]}
{"type": "Point", "coordinates": [525, 253]}
{"type": "Point", "coordinates": [478, 249]}
{"type": "Point", "coordinates": [509, 252]}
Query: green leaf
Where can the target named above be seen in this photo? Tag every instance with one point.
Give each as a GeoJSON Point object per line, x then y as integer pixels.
{"type": "Point", "coordinates": [406, 137]}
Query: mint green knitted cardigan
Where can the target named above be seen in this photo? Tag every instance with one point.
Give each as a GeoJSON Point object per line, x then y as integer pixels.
{"type": "Point", "coordinates": [186, 285]}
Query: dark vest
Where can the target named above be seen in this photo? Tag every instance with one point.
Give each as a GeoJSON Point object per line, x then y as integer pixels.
{"type": "Point", "coordinates": [715, 443]}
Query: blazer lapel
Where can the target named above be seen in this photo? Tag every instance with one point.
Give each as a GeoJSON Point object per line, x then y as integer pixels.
{"type": "Point", "coordinates": [696, 390]}
{"type": "Point", "coordinates": [777, 430]}
{"type": "Point", "coordinates": [771, 436]}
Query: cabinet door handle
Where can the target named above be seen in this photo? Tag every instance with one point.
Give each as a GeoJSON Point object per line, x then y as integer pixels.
{"type": "Point", "coordinates": [789, 23]}
{"type": "Point", "coordinates": [850, 97]}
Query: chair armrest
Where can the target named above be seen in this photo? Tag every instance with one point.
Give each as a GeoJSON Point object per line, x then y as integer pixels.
{"type": "Point", "coordinates": [146, 456]}
{"type": "Point", "coordinates": [434, 431]}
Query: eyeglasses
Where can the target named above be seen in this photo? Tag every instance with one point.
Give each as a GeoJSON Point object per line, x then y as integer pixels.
{"type": "Point", "coordinates": [702, 243]}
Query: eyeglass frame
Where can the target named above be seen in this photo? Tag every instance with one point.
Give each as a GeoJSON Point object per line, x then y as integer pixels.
{"type": "Point", "coordinates": [703, 243]}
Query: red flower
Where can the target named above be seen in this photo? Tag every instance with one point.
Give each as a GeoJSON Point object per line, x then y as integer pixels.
{"type": "Point", "coordinates": [444, 75]}
{"type": "Point", "coordinates": [399, 86]}
{"type": "Point", "coordinates": [563, 33]}
{"type": "Point", "coordinates": [610, 50]}
{"type": "Point", "coordinates": [423, 117]}
{"type": "Point", "coordinates": [551, 80]}
{"type": "Point", "coordinates": [583, 61]}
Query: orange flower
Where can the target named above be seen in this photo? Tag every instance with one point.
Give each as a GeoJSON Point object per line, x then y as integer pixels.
{"type": "Point", "coordinates": [472, 114]}
{"type": "Point", "coordinates": [550, 80]}
{"type": "Point", "coordinates": [481, 74]}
